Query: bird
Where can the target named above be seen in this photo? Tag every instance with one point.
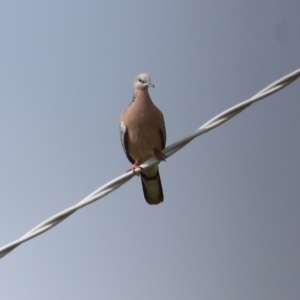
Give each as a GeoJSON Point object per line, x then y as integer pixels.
{"type": "Point", "coordinates": [143, 135]}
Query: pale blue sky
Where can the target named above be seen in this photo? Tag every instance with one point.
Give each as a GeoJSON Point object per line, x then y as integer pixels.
{"type": "Point", "coordinates": [229, 226]}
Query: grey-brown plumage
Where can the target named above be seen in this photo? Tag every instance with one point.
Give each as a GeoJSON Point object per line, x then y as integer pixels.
{"type": "Point", "coordinates": [143, 134]}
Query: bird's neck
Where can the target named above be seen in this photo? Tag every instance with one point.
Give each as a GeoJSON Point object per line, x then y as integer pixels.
{"type": "Point", "coordinates": [142, 96]}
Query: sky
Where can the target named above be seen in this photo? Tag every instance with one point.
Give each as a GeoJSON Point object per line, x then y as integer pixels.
{"type": "Point", "coordinates": [229, 225]}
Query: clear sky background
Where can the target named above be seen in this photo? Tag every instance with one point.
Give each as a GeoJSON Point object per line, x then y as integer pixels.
{"type": "Point", "coordinates": [229, 225]}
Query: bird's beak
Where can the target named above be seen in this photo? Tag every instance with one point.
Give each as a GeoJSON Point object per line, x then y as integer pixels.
{"type": "Point", "coordinates": [151, 84]}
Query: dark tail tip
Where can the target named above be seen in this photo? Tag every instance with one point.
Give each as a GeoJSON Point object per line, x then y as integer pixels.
{"type": "Point", "coordinates": [152, 189]}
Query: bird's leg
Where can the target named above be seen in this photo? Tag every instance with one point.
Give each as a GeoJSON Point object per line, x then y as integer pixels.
{"type": "Point", "coordinates": [159, 155]}
{"type": "Point", "coordinates": [133, 167]}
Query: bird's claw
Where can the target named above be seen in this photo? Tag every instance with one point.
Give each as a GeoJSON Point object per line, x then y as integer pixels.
{"type": "Point", "coordinates": [133, 169]}
{"type": "Point", "coordinates": [159, 155]}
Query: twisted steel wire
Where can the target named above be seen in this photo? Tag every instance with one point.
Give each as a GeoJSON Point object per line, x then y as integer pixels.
{"type": "Point", "coordinates": [170, 150]}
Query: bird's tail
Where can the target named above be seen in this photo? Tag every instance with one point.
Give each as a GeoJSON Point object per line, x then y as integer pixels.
{"type": "Point", "coordinates": [152, 188]}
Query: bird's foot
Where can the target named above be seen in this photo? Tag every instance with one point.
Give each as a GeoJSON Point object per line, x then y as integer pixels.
{"type": "Point", "coordinates": [159, 155]}
{"type": "Point", "coordinates": [133, 169]}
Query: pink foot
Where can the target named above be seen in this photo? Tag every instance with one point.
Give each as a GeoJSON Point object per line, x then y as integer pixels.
{"type": "Point", "coordinates": [133, 167]}
{"type": "Point", "coordinates": [159, 155]}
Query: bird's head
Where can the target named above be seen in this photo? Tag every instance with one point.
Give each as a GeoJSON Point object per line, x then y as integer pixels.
{"type": "Point", "coordinates": [142, 81]}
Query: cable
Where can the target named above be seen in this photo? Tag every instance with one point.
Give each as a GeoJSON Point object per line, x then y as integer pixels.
{"type": "Point", "coordinates": [170, 150]}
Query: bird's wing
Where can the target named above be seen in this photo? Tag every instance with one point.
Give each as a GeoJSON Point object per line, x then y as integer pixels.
{"type": "Point", "coordinates": [124, 140]}
{"type": "Point", "coordinates": [163, 134]}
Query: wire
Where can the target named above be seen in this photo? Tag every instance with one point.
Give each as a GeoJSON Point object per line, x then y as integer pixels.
{"type": "Point", "coordinates": [170, 150]}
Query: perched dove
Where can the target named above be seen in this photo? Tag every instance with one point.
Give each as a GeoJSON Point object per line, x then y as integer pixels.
{"type": "Point", "coordinates": [143, 134]}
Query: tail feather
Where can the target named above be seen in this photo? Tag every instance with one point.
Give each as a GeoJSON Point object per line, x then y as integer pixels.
{"type": "Point", "coordinates": [152, 188]}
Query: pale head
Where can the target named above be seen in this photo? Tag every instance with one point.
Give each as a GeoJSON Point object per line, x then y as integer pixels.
{"type": "Point", "coordinates": [142, 81]}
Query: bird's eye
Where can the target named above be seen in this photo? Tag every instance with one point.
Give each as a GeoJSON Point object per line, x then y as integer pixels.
{"type": "Point", "coordinates": [140, 80]}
